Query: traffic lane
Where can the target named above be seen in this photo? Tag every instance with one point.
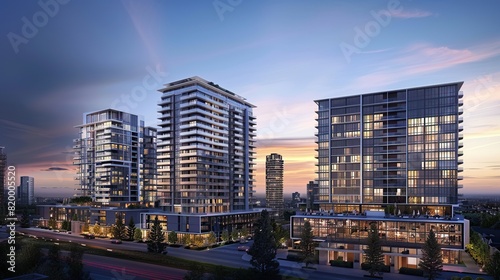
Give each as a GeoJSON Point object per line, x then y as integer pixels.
{"type": "Point", "coordinates": [98, 242]}
{"type": "Point", "coordinates": [107, 268]}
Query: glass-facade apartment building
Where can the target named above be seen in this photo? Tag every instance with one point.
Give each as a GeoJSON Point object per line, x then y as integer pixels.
{"type": "Point", "coordinates": [401, 147]}
{"type": "Point", "coordinates": [392, 158]}
{"type": "Point", "coordinates": [115, 156]}
{"type": "Point", "coordinates": [205, 148]}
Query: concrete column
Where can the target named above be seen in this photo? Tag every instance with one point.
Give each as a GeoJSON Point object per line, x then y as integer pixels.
{"type": "Point", "coordinates": [323, 257]}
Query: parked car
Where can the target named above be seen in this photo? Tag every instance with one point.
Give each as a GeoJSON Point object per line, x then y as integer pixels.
{"type": "Point", "coordinates": [243, 248]}
{"type": "Point", "coordinates": [116, 241]}
{"type": "Point", "coordinates": [88, 236]}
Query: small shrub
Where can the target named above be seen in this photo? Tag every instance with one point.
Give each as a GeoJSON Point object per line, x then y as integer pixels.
{"type": "Point", "coordinates": [385, 268]}
{"type": "Point", "coordinates": [466, 278]}
{"type": "Point", "coordinates": [479, 278]}
{"type": "Point", "coordinates": [340, 263]}
{"type": "Point", "coordinates": [455, 278]}
{"type": "Point", "coordinates": [411, 271]}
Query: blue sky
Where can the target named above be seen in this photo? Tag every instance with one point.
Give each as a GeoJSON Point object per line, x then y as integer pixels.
{"type": "Point", "coordinates": [61, 59]}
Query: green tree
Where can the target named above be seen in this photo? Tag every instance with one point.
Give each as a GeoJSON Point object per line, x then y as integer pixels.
{"type": "Point", "coordinates": [211, 239]}
{"type": "Point", "coordinates": [263, 249]}
{"type": "Point", "coordinates": [81, 200]}
{"type": "Point", "coordinates": [244, 232]}
{"type": "Point", "coordinates": [431, 261]}
{"type": "Point", "coordinates": [52, 223]}
{"type": "Point", "coordinates": [224, 236]}
{"type": "Point", "coordinates": [172, 237]}
{"type": "Point", "coordinates": [307, 244]}
{"type": "Point", "coordinates": [68, 226]}
{"type": "Point", "coordinates": [138, 234]}
{"type": "Point", "coordinates": [119, 231]}
{"type": "Point", "coordinates": [235, 234]}
{"type": "Point", "coordinates": [97, 229]}
{"type": "Point", "coordinates": [131, 229]}
{"type": "Point", "coordinates": [198, 241]}
{"type": "Point", "coordinates": [280, 234]}
{"type": "Point", "coordinates": [186, 239]}
{"type": "Point", "coordinates": [85, 227]}
{"type": "Point", "coordinates": [25, 219]}
{"type": "Point", "coordinates": [64, 225]}
{"type": "Point", "coordinates": [374, 257]}
{"type": "Point", "coordinates": [156, 238]}
{"type": "Point", "coordinates": [493, 266]}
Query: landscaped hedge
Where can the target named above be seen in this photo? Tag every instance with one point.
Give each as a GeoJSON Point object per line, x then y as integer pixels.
{"type": "Point", "coordinates": [384, 268]}
{"type": "Point", "coordinates": [411, 271]}
{"type": "Point", "coordinates": [340, 263]}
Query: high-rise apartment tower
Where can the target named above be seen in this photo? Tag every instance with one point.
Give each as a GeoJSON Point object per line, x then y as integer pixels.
{"type": "Point", "coordinates": [274, 183]}
{"type": "Point", "coordinates": [114, 154]}
{"type": "Point", "coordinates": [205, 148]}
{"type": "Point", "coordinates": [399, 147]}
{"type": "Point", "coordinates": [389, 160]}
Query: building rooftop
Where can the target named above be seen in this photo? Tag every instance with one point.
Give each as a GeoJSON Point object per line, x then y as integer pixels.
{"type": "Point", "coordinates": [384, 217]}
{"type": "Point", "coordinates": [209, 85]}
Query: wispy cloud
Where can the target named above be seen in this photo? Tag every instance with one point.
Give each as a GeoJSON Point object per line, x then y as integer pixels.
{"type": "Point", "coordinates": [426, 58]}
{"type": "Point", "coordinates": [407, 14]}
{"type": "Point", "coordinates": [16, 129]}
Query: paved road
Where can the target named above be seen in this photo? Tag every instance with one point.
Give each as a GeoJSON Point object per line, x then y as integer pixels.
{"type": "Point", "coordinates": [101, 267]}
{"type": "Point", "coordinates": [227, 255]}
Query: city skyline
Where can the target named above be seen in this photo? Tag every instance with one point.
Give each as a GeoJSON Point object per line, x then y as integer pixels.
{"type": "Point", "coordinates": [91, 56]}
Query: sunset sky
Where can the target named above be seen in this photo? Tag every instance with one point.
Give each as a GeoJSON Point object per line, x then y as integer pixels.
{"type": "Point", "coordinates": [62, 60]}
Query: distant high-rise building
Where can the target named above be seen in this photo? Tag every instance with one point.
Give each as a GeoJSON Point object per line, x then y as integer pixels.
{"type": "Point", "coordinates": [296, 197]}
{"type": "Point", "coordinates": [3, 166]}
{"type": "Point", "coordinates": [26, 191]}
{"type": "Point", "coordinates": [205, 148]}
{"type": "Point", "coordinates": [274, 182]}
{"type": "Point", "coordinates": [114, 154]}
{"type": "Point", "coordinates": [312, 192]}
